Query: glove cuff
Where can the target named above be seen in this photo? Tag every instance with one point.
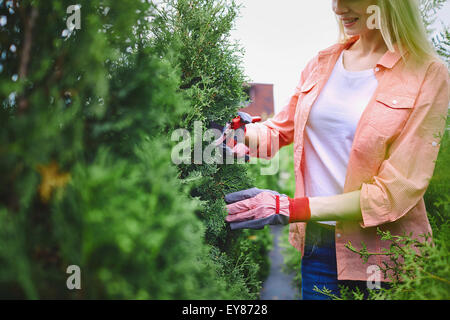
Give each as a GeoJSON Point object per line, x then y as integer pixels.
{"type": "Point", "coordinates": [299, 210]}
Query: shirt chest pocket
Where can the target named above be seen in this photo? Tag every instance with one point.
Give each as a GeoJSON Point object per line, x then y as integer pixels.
{"type": "Point", "coordinates": [307, 95]}
{"type": "Point", "coordinates": [389, 114]}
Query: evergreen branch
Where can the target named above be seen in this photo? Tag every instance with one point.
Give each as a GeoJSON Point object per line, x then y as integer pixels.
{"type": "Point", "coordinates": [433, 276]}
{"type": "Point", "coordinates": [327, 292]}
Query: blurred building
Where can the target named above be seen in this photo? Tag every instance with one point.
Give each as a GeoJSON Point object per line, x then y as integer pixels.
{"type": "Point", "coordinates": [262, 101]}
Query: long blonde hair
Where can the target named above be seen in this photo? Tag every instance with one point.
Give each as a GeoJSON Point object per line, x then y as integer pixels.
{"type": "Point", "coordinates": [402, 24]}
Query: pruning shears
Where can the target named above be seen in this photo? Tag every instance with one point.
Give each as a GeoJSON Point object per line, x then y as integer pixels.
{"type": "Point", "coordinates": [237, 123]}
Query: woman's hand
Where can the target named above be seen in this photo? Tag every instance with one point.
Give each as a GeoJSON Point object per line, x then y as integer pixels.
{"type": "Point", "coordinates": [255, 208]}
{"type": "Point", "coordinates": [233, 136]}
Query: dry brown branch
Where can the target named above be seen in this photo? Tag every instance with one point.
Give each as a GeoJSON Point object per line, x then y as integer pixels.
{"type": "Point", "coordinates": [26, 52]}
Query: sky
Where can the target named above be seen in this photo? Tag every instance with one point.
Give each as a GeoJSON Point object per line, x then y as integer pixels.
{"type": "Point", "coordinates": [280, 37]}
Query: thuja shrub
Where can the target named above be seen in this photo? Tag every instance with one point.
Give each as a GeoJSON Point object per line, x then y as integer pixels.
{"type": "Point", "coordinates": [195, 36]}
{"type": "Point", "coordinates": [85, 161]}
{"type": "Point", "coordinates": [437, 197]}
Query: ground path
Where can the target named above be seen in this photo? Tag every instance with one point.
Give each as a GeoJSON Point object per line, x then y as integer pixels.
{"type": "Point", "coordinates": [278, 285]}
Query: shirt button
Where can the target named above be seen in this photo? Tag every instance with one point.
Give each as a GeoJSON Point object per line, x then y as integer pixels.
{"type": "Point", "coordinates": [338, 235]}
{"type": "Point", "coordinates": [395, 102]}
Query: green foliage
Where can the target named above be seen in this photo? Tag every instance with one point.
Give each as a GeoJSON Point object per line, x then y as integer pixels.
{"type": "Point", "coordinates": [441, 40]}
{"type": "Point", "coordinates": [437, 197]}
{"type": "Point", "coordinates": [85, 153]}
{"type": "Point", "coordinates": [442, 44]}
{"type": "Point", "coordinates": [419, 269]}
{"type": "Point", "coordinates": [429, 10]}
{"type": "Point", "coordinates": [150, 247]}
{"type": "Point", "coordinates": [194, 35]}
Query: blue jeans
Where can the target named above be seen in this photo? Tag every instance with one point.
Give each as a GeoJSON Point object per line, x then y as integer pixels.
{"type": "Point", "coordinates": [319, 264]}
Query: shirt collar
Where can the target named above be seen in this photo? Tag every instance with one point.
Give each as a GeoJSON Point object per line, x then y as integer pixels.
{"type": "Point", "coordinates": [388, 60]}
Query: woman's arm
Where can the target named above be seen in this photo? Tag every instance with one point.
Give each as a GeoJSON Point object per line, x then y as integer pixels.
{"type": "Point", "coordinates": [336, 208]}
{"type": "Point", "coordinates": [265, 139]}
{"type": "Point", "coordinates": [254, 208]}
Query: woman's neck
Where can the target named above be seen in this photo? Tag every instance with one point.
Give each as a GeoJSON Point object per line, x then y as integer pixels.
{"type": "Point", "coordinates": [370, 43]}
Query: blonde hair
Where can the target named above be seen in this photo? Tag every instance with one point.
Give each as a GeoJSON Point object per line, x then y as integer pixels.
{"type": "Point", "coordinates": [402, 24]}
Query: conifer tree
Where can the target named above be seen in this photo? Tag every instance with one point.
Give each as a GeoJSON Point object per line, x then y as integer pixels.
{"type": "Point", "coordinates": [195, 35]}
{"type": "Point", "coordinates": [85, 162]}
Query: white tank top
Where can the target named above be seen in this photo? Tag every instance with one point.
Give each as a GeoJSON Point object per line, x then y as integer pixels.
{"type": "Point", "coordinates": [331, 128]}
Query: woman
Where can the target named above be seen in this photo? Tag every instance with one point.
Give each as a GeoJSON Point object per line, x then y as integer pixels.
{"type": "Point", "coordinates": [365, 121]}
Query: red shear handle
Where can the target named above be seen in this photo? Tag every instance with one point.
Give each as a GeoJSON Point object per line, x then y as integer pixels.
{"type": "Point", "coordinates": [237, 122]}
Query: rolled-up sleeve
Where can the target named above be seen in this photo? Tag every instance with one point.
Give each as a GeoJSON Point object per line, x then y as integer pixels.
{"type": "Point", "coordinates": [266, 138]}
{"type": "Point", "coordinates": [404, 176]}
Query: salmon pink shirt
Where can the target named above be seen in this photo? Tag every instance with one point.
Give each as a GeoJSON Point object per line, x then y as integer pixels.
{"type": "Point", "coordinates": [392, 157]}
